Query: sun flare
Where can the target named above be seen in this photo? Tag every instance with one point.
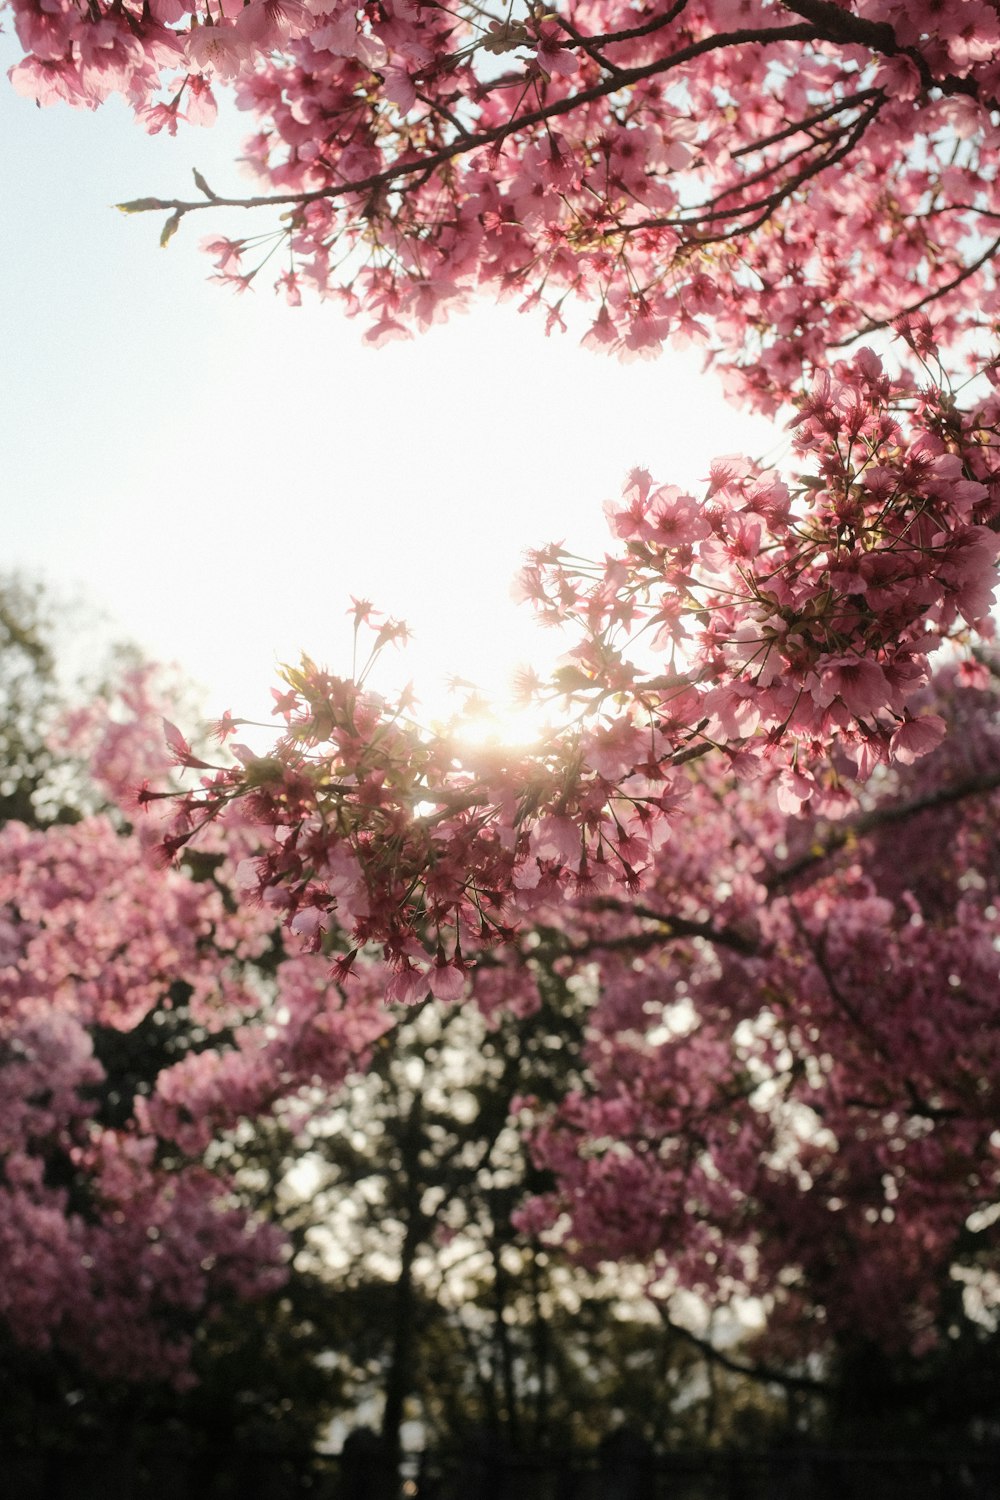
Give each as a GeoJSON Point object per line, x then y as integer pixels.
{"type": "Point", "coordinates": [496, 723]}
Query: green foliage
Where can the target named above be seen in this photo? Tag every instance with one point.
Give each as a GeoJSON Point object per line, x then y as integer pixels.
{"type": "Point", "coordinates": [446, 1315]}
{"type": "Point", "coordinates": [28, 697]}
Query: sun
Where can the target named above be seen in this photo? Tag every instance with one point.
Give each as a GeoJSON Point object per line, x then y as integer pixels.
{"type": "Point", "coordinates": [486, 724]}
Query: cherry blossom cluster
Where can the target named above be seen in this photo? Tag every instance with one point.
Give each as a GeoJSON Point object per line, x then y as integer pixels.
{"type": "Point", "coordinates": [98, 1239]}
{"type": "Point", "coordinates": [119, 1230]}
{"type": "Point", "coordinates": [624, 156]}
{"type": "Point", "coordinates": [794, 617]}
{"type": "Point", "coordinates": [786, 626]}
{"type": "Point", "coordinates": [793, 1055]}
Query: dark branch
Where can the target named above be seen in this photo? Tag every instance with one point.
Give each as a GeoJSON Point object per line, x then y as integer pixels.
{"type": "Point", "coordinates": [668, 928]}
{"type": "Point", "coordinates": [872, 324]}
{"type": "Point", "coordinates": [766, 1374]}
{"type": "Point", "coordinates": [880, 817]}
{"type": "Point", "coordinates": [472, 142]}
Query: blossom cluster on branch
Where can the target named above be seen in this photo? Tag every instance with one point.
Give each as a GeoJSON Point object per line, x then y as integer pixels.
{"type": "Point", "coordinates": [784, 627]}
{"type": "Point", "coordinates": [768, 177]}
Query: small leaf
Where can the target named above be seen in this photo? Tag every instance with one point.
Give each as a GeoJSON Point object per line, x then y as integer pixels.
{"type": "Point", "coordinates": [571, 679]}
{"type": "Point", "coordinates": [170, 229]}
{"type": "Point", "coordinates": [140, 205]}
{"type": "Point", "coordinates": [264, 770]}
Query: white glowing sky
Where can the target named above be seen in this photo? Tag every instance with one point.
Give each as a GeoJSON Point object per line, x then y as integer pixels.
{"type": "Point", "coordinates": [222, 473]}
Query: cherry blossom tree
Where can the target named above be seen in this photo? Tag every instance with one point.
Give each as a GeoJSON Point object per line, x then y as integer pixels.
{"type": "Point", "coordinates": [98, 1236]}
{"type": "Point", "coordinates": [787, 1045]}
{"type": "Point", "coordinates": [792, 1077]}
{"type": "Point", "coordinates": [793, 1026]}
{"type": "Point", "coordinates": [160, 1053]}
{"type": "Point", "coordinates": [135, 1027]}
{"type": "Point", "coordinates": [155, 1042]}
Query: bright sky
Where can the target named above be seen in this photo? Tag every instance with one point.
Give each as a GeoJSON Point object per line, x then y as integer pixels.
{"type": "Point", "coordinates": [221, 473]}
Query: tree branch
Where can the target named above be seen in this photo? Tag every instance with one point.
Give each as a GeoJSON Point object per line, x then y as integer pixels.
{"type": "Point", "coordinates": [766, 1374]}
{"type": "Point", "coordinates": [873, 324]}
{"type": "Point", "coordinates": [881, 817]}
{"type": "Point", "coordinates": [669, 927]}
{"type": "Point", "coordinates": [844, 26]}
{"type": "Point", "coordinates": [472, 142]}
{"type": "Point", "coordinates": [763, 207]}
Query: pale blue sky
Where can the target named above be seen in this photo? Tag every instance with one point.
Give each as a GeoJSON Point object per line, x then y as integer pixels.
{"type": "Point", "coordinates": [221, 473]}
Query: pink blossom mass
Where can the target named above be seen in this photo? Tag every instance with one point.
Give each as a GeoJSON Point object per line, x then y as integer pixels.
{"type": "Point", "coordinates": [761, 838]}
